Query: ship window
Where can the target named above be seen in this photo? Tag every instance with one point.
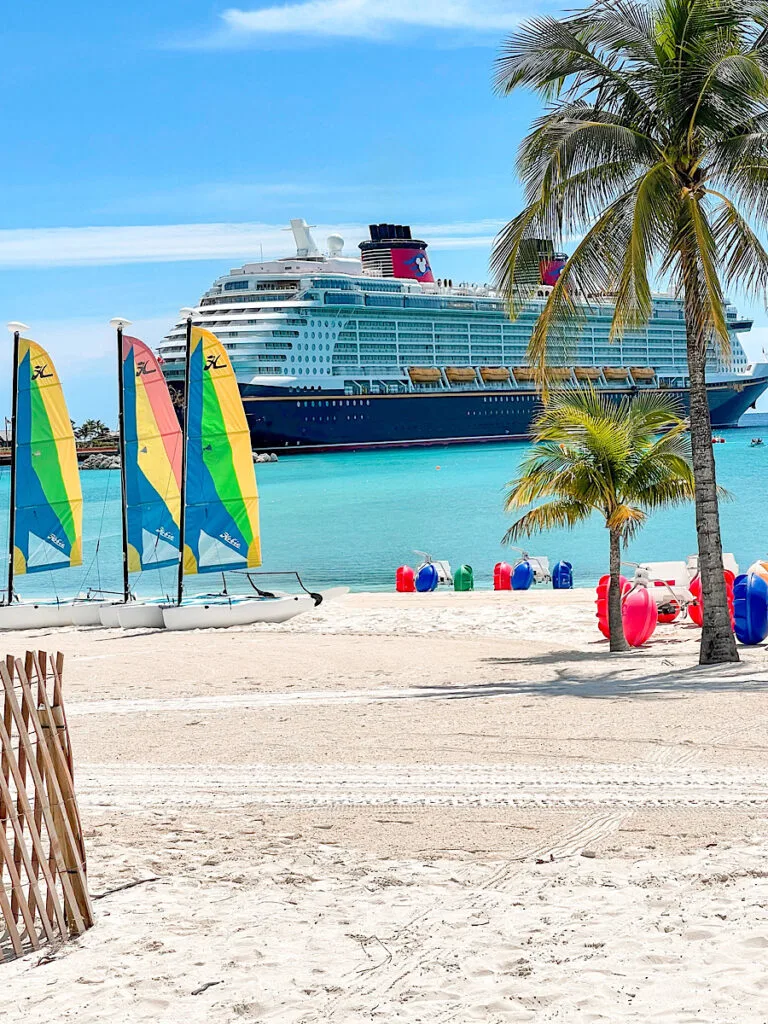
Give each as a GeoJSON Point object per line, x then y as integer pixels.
{"type": "Point", "coordinates": [232, 286]}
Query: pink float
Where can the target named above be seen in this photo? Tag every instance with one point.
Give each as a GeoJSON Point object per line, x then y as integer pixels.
{"type": "Point", "coordinates": [639, 616]}
{"type": "Point", "coordinates": [602, 602]}
{"type": "Point", "coordinates": [696, 610]}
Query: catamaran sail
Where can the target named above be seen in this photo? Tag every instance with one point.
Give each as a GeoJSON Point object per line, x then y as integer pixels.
{"type": "Point", "coordinates": [152, 461]}
{"type": "Point", "coordinates": [46, 514]}
{"type": "Point", "coordinates": [221, 504]}
{"type": "Point", "coordinates": [221, 528]}
{"type": "Point", "coordinates": [152, 448]}
{"type": "Point", "coordinates": [47, 518]}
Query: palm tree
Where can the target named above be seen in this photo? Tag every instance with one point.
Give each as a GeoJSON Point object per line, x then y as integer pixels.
{"type": "Point", "coordinates": [593, 454]}
{"type": "Point", "coordinates": [90, 429]}
{"type": "Point", "coordinates": [653, 149]}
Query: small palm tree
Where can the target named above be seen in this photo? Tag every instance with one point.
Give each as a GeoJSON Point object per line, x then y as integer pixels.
{"type": "Point", "coordinates": [594, 455]}
{"type": "Point", "coordinates": [653, 150]}
{"type": "Point", "coordinates": [90, 429]}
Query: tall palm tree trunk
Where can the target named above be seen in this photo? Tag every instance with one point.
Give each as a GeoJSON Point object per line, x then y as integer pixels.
{"type": "Point", "coordinates": [615, 625]}
{"type": "Point", "coordinates": [717, 641]}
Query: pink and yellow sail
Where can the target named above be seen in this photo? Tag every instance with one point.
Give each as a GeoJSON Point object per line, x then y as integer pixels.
{"type": "Point", "coordinates": [152, 463]}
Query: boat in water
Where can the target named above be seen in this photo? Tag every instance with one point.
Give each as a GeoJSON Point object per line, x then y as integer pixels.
{"type": "Point", "coordinates": [46, 502]}
{"type": "Point", "coordinates": [335, 352]}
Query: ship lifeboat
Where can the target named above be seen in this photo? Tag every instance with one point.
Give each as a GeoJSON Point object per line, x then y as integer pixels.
{"type": "Point", "coordinates": [645, 374]}
{"type": "Point", "coordinates": [424, 374]}
{"type": "Point", "coordinates": [524, 373]}
{"type": "Point", "coordinates": [587, 373]}
{"type": "Point", "coordinates": [461, 374]}
{"type": "Point", "coordinates": [558, 373]}
{"type": "Point", "coordinates": [615, 373]}
{"type": "Point", "coordinates": [494, 374]}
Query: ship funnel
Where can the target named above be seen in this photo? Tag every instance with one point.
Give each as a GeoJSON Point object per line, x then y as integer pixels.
{"type": "Point", "coordinates": [393, 252]}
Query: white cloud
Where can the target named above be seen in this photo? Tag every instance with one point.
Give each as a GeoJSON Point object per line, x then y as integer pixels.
{"type": "Point", "coordinates": [84, 353]}
{"type": "Point", "coordinates": [366, 19]}
{"type": "Point", "coordinates": [167, 243]}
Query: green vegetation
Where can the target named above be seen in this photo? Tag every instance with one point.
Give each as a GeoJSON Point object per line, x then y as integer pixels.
{"type": "Point", "coordinates": [592, 454]}
{"type": "Point", "coordinates": [92, 430]}
{"type": "Point", "coordinates": [653, 150]}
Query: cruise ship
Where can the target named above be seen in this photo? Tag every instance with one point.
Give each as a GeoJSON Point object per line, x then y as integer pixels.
{"type": "Point", "coordinates": [335, 352]}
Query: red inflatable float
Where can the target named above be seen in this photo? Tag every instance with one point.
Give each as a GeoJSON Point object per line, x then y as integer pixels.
{"type": "Point", "coordinates": [405, 580]}
{"type": "Point", "coordinates": [502, 576]}
{"type": "Point", "coordinates": [696, 610]}
{"type": "Point", "coordinates": [638, 611]}
{"type": "Point", "coordinates": [602, 602]}
{"type": "Point", "coordinates": [639, 616]}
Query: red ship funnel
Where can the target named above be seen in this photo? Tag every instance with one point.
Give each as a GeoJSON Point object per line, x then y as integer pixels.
{"type": "Point", "coordinates": [392, 252]}
{"type": "Point", "coordinates": [552, 268]}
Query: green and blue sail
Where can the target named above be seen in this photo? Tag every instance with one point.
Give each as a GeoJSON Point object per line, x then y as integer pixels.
{"type": "Point", "coordinates": [48, 510]}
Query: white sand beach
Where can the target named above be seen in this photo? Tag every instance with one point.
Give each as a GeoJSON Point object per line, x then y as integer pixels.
{"type": "Point", "coordinates": [414, 808]}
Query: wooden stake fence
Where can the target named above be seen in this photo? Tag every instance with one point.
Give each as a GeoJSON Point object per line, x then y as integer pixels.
{"type": "Point", "coordinates": [43, 880]}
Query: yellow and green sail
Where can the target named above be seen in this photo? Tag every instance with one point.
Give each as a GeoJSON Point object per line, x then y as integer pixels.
{"type": "Point", "coordinates": [48, 514]}
{"type": "Point", "coordinates": [221, 529]}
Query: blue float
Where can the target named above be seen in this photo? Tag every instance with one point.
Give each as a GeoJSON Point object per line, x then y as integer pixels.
{"type": "Point", "coordinates": [562, 576]}
{"type": "Point", "coordinates": [750, 608]}
{"type": "Point", "coordinates": [427, 579]}
{"type": "Point", "coordinates": [522, 576]}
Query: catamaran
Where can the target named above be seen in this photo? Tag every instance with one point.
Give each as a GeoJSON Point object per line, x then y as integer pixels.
{"type": "Point", "coordinates": [219, 497]}
{"type": "Point", "coordinates": [151, 446]}
{"type": "Point", "coordinates": [46, 502]}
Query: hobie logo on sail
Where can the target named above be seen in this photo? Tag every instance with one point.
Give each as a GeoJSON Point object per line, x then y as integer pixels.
{"type": "Point", "coordinates": [56, 540]}
{"type": "Point", "coordinates": [230, 540]}
{"type": "Point", "coordinates": [165, 534]}
{"type": "Point", "coordinates": [39, 373]}
{"type": "Point", "coordinates": [143, 368]}
{"type": "Point", "coordinates": [213, 363]}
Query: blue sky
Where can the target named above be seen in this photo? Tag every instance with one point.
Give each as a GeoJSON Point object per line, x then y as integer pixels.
{"type": "Point", "coordinates": [150, 146]}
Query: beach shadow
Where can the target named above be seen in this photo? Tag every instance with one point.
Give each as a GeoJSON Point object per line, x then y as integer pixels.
{"type": "Point", "coordinates": [623, 679]}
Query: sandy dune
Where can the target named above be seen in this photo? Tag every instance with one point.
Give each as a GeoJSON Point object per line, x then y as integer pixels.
{"type": "Point", "coordinates": [421, 809]}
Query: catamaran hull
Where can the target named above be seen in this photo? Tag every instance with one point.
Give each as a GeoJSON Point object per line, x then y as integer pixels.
{"type": "Point", "coordinates": [239, 613]}
{"type": "Point", "coordinates": [108, 615]}
{"type": "Point", "coordinates": [35, 616]}
{"type": "Point", "coordinates": [87, 613]}
{"type": "Point", "coordinates": [140, 616]}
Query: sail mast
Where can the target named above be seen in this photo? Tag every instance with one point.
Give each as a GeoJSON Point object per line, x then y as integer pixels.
{"type": "Point", "coordinates": [185, 434]}
{"type": "Point", "coordinates": [119, 323]}
{"type": "Point", "coordinates": [16, 328]}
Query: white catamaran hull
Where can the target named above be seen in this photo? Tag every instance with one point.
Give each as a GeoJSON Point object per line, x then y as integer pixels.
{"type": "Point", "coordinates": [108, 615]}
{"type": "Point", "coordinates": [221, 614]}
{"type": "Point", "coordinates": [87, 613]}
{"type": "Point", "coordinates": [35, 616]}
{"type": "Point", "coordinates": [137, 615]}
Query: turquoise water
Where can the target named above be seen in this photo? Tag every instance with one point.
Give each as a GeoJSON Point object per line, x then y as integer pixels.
{"type": "Point", "coordinates": [353, 518]}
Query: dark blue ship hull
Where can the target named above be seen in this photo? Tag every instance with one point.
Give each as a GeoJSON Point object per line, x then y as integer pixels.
{"type": "Point", "coordinates": [303, 421]}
